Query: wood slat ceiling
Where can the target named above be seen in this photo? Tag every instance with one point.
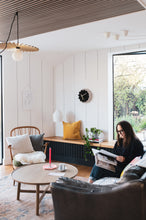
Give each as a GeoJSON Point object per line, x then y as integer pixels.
{"type": "Point", "coordinates": [40, 16]}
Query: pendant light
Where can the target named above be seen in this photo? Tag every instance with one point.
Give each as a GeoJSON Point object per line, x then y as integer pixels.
{"type": "Point", "coordinates": [17, 48]}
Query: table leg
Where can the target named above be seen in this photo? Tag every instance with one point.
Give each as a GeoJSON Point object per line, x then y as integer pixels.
{"type": "Point", "coordinates": [37, 199]}
{"type": "Point", "coordinates": [18, 191]}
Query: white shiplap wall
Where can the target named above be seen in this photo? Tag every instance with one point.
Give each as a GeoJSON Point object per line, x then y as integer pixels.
{"type": "Point", "coordinates": [84, 70]}
{"type": "Point", "coordinates": [56, 87]}
{"type": "Point", "coordinates": [90, 70]}
{"type": "Point", "coordinates": [33, 74]}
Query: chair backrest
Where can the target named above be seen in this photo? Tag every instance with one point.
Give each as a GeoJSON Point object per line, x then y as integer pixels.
{"type": "Point", "coordinates": [31, 130]}
{"type": "Point", "coordinates": [24, 130]}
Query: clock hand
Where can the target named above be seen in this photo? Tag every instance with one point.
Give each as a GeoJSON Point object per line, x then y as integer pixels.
{"type": "Point", "coordinates": [85, 94]}
{"type": "Point", "coordinates": [82, 96]}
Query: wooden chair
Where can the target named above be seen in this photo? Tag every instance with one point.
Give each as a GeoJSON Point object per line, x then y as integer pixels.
{"type": "Point", "coordinates": [31, 130]}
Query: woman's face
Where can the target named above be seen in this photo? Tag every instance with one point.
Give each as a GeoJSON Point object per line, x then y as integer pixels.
{"type": "Point", "coordinates": [120, 131]}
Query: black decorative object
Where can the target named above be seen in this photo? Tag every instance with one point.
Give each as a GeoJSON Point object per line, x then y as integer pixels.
{"type": "Point", "coordinates": [83, 95]}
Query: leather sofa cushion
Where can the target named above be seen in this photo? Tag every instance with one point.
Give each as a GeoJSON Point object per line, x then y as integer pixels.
{"type": "Point", "coordinates": [81, 186]}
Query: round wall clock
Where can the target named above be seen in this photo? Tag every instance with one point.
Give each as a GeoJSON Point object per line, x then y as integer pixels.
{"type": "Point", "coordinates": [84, 95]}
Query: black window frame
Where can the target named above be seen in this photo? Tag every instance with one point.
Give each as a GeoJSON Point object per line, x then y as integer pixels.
{"type": "Point", "coordinates": [1, 94]}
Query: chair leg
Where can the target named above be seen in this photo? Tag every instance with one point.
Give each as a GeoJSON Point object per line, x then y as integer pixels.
{"type": "Point", "coordinates": [13, 182]}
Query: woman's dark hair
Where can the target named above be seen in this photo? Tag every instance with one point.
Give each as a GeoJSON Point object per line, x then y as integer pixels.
{"type": "Point", "coordinates": [129, 133]}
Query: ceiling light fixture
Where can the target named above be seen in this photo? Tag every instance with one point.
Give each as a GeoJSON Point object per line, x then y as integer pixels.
{"type": "Point", "coordinates": [107, 34]}
{"type": "Point", "coordinates": [17, 47]}
{"type": "Point", "coordinates": [125, 33]}
{"type": "Point", "coordinates": [116, 36]}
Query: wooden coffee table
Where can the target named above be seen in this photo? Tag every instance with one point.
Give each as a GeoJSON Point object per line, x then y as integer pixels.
{"type": "Point", "coordinates": [34, 174]}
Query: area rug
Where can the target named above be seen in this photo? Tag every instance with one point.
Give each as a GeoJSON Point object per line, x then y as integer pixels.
{"type": "Point", "coordinates": [11, 208]}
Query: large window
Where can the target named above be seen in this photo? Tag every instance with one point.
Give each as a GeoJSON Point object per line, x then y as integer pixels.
{"type": "Point", "coordinates": [130, 91]}
{"type": "Point", "coordinates": [1, 117]}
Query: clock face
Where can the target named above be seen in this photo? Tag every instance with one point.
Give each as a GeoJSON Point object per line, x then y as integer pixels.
{"type": "Point", "coordinates": [83, 95]}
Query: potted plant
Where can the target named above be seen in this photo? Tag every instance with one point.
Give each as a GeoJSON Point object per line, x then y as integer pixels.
{"type": "Point", "coordinates": [90, 135]}
{"type": "Point", "coordinates": [95, 133]}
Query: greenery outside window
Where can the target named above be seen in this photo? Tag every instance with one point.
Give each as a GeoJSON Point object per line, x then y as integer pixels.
{"type": "Point", "coordinates": [129, 88]}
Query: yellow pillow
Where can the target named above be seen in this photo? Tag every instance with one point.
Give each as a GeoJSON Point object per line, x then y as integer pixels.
{"type": "Point", "coordinates": [71, 130]}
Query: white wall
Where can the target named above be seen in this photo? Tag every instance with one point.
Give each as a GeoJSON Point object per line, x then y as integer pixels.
{"type": "Point", "coordinates": [57, 88]}
{"type": "Point", "coordinates": [33, 74]}
{"type": "Point", "coordinates": [85, 70]}
{"type": "Point", "coordinates": [88, 70]}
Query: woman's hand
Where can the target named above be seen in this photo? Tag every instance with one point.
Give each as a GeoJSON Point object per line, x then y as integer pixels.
{"type": "Point", "coordinates": [120, 158]}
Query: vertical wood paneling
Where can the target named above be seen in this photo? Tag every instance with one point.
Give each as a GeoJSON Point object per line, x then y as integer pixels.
{"type": "Point", "coordinates": [92, 84]}
{"type": "Point", "coordinates": [103, 97]}
{"type": "Point", "coordinates": [69, 92]}
{"type": "Point", "coordinates": [59, 97]}
{"type": "Point", "coordinates": [47, 99]}
{"type": "Point", "coordinates": [35, 73]}
{"type": "Point", "coordinates": [23, 84]}
{"type": "Point", "coordinates": [10, 99]}
{"type": "Point", "coordinates": [36, 88]}
{"type": "Point", "coordinates": [79, 76]}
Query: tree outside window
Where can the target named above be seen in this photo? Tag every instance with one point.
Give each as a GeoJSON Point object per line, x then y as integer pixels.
{"type": "Point", "coordinates": [130, 91]}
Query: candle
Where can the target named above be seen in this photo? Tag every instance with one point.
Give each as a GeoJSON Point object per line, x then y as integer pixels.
{"type": "Point", "coordinates": [50, 156]}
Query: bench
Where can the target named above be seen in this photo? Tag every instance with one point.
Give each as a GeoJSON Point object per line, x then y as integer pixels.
{"type": "Point", "coordinates": [72, 151]}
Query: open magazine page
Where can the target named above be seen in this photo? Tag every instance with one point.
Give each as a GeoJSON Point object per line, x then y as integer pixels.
{"type": "Point", "coordinates": [105, 159]}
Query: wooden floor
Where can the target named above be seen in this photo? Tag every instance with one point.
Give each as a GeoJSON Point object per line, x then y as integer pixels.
{"type": "Point", "coordinates": [83, 171]}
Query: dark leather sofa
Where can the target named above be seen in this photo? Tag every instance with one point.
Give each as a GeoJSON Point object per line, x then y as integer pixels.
{"type": "Point", "coordinates": [78, 200]}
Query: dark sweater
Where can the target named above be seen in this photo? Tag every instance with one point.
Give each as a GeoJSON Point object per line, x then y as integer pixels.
{"type": "Point", "coordinates": [135, 149]}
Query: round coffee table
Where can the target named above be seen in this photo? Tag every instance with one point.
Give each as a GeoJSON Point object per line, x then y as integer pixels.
{"type": "Point", "coordinates": [34, 174]}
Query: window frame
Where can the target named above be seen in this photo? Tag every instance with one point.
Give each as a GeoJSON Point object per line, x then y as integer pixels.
{"type": "Point", "coordinates": [121, 54]}
{"type": "Point", "coordinates": [1, 101]}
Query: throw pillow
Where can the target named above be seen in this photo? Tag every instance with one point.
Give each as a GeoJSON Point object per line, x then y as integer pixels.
{"type": "Point", "coordinates": [71, 130]}
{"type": "Point", "coordinates": [142, 162]}
{"type": "Point", "coordinates": [132, 163]}
{"type": "Point", "coordinates": [37, 141]}
{"type": "Point", "coordinates": [134, 172]}
{"type": "Point", "coordinates": [20, 144]}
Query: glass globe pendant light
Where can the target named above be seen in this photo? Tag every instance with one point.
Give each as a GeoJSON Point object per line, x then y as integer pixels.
{"type": "Point", "coordinates": [17, 55]}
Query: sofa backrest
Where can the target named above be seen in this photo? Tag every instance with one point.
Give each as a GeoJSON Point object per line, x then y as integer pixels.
{"type": "Point", "coordinates": [125, 201]}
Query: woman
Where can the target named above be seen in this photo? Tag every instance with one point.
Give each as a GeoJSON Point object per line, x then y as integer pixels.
{"type": "Point", "coordinates": [127, 147]}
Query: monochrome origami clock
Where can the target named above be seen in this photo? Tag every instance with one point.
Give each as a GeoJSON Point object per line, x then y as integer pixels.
{"type": "Point", "coordinates": [84, 95]}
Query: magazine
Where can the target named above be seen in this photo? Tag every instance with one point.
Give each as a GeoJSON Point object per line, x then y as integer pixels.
{"type": "Point", "coordinates": [105, 159]}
